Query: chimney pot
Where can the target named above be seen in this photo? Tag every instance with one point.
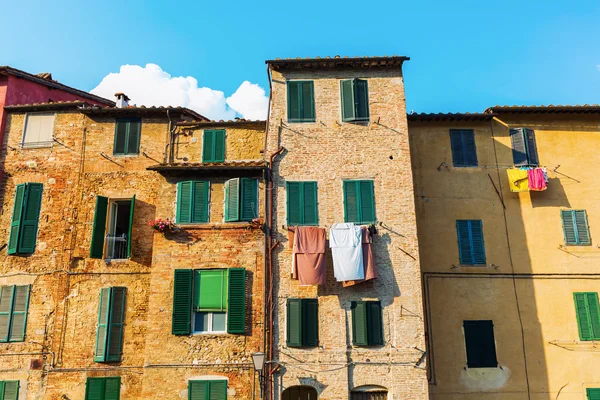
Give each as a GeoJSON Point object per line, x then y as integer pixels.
{"type": "Point", "coordinates": [122, 100]}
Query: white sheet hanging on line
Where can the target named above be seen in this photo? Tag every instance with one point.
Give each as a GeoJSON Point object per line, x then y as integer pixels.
{"type": "Point", "coordinates": [345, 241]}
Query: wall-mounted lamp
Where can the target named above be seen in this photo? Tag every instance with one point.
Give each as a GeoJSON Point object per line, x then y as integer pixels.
{"type": "Point", "coordinates": [259, 362]}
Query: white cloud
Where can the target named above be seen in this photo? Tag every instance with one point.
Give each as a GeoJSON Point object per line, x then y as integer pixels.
{"type": "Point", "coordinates": [151, 86]}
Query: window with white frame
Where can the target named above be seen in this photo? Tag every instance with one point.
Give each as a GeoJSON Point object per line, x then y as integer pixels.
{"type": "Point", "coordinates": [210, 301]}
{"type": "Point", "coordinates": [38, 130]}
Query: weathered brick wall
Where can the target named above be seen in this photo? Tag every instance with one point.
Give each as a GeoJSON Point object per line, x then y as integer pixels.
{"type": "Point", "coordinates": [328, 152]}
{"type": "Point", "coordinates": [243, 141]}
{"type": "Point", "coordinates": [63, 309]}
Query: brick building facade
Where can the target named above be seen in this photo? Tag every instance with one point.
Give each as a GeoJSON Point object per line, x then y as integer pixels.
{"type": "Point", "coordinates": [330, 142]}
{"type": "Point", "coordinates": [113, 307]}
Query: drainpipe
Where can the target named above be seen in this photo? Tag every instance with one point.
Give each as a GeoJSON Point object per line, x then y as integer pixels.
{"type": "Point", "coordinates": [269, 303]}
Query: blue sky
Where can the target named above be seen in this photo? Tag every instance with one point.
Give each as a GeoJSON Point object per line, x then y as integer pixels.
{"type": "Point", "coordinates": [465, 55]}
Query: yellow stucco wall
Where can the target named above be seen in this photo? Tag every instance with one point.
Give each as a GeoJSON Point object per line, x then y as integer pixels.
{"type": "Point", "coordinates": [526, 239]}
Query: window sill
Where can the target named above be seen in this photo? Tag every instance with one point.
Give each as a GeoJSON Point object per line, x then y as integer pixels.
{"type": "Point", "coordinates": [305, 121]}
{"type": "Point", "coordinates": [37, 145]}
{"type": "Point", "coordinates": [127, 155]}
{"type": "Point", "coordinates": [213, 226]}
{"type": "Point", "coordinates": [208, 334]}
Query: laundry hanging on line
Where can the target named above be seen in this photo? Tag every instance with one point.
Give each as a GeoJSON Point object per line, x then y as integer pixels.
{"type": "Point", "coordinates": [309, 263]}
{"type": "Point", "coordinates": [368, 259]}
{"type": "Point", "coordinates": [345, 241]}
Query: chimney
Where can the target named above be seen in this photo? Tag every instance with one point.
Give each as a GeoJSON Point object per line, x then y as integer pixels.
{"type": "Point", "coordinates": [122, 100]}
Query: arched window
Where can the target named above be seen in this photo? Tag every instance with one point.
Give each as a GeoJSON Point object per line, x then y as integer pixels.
{"type": "Point", "coordinates": [369, 392]}
{"type": "Point", "coordinates": [299, 393]}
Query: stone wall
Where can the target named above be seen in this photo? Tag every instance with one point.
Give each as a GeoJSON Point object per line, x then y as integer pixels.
{"type": "Point", "coordinates": [329, 151]}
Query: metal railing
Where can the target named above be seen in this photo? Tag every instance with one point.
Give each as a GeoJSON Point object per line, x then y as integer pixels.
{"type": "Point", "coordinates": [116, 246]}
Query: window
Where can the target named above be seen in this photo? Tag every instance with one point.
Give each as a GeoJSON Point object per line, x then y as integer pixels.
{"type": "Point", "coordinates": [302, 208]}
{"type": "Point", "coordinates": [111, 317]}
{"type": "Point", "coordinates": [359, 202]}
{"type": "Point", "coordinates": [575, 227]}
{"type": "Point", "coordinates": [302, 322]}
{"type": "Point", "coordinates": [113, 225]}
{"type": "Point", "coordinates": [14, 301]}
{"type": "Point", "coordinates": [588, 315]}
{"type": "Point", "coordinates": [462, 142]}
{"type": "Point", "coordinates": [471, 249]}
{"type": "Point", "coordinates": [103, 388]}
{"type": "Point", "coordinates": [367, 323]}
{"type": "Point", "coordinates": [299, 393]}
{"type": "Point", "coordinates": [241, 199]}
{"type": "Point", "coordinates": [524, 148]}
{"type": "Point", "coordinates": [9, 390]}
{"type": "Point", "coordinates": [481, 347]}
{"type": "Point", "coordinates": [207, 390]}
{"type": "Point", "coordinates": [593, 393]}
{"type": "Point", "coordinates": [213, 147]}
{"type": "Point", "coordinates": [355, 100]}
{"type": "Point", "coordinates": [127, 136]}
{"type": "Point", "coordinates": [301, 101]}
{"type": "Point", "coordinates": [192, 202]}
{"type": "Point", "coordinates": [26, 213]}
{"type": "Point", "coordinates": [216, 298]}
{"type": "Point", "coordinates": [369, 392]}
{"type": "Point", "coordinates": [38, 130]}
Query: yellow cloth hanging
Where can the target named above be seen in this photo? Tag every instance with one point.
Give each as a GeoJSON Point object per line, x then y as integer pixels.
{"type": "Point", "coordinates": [518, 180]}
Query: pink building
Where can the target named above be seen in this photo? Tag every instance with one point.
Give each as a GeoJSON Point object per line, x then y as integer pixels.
{"type": "Point", "coordinates": [20, 87]}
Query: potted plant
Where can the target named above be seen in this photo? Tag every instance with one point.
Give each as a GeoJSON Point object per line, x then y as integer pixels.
{"type": "Point", "coordinates": [161, 225]}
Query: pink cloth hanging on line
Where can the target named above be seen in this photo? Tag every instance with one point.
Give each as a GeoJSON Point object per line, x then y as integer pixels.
{"type": "Point", "coordinates": [536, 179]}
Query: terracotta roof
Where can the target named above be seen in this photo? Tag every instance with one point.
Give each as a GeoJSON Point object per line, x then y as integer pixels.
{"type": "Point", "coordinates": [143, 110]}
{"type": "Point", "coordinates": [251, 167]}
{"type": "Point", "coordinates": [58, 105]}
{"type": "Point", "coordinates": [549, 109]}
{"type": "Point", "coordinates": [45, 79]}
{"type": "Point", "coordinates": [450, 117]}
{"type": "Point", "coordinates": [338, 62]}
{"type": "Point", "coordinates": [239, 121]}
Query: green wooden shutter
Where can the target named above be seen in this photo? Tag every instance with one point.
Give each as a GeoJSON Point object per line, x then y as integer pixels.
{"type": "Point", "coordinates": [593, 393]}
{"type": "Point", "coordinates": [117, 320]}
{"type": "Point", "coordinates": [477, 244]}
{"type": "Point", "coordinates": [569, 227]}
{"type": "Point", "coordinates": [129, 234]}
{"type": "Point", "coordinates": [99, 227]}
{"type": "Point", "coordinates": [294, 322]}
{"type": "Point", "coordinates": [103, 322]}
{"type": "Point", "coordinates": [480, 344]}
{"type": "Point", "coordinates": [456, 144]}
{"type": "Point", "coordinates": [201, 190]}
{"type": "Point", "coordinates": [361, 99]}
{"type": "Point", "coordinates": [10, 390]}
{"type": "Point", "coordinates": [469, 149]}
{"type": "Point", "coordinates": [347, 95]}
{"type": "Point", "coordinates": [236, 308]}
{"type": "Point", "coordinates": [519, 148]}
{"type": "Point", "coordinates": [581, 224]}
{"type": "Point", "coordinates": [197, 390]}
{"type": "Point", "coordinates": [310, 209]}
{"type": "Point", "coordinates": [374, 323]}
{"type": "Point", "coordinates": [359, 323]}
{"type": "Point", "coordinates": [367, 202]}
{"type": "Point", "coordinates": [594, 314]}
{"type": "Point", "coordinates": [112, 388]}
{"type": "Point", "coordinates": [232, 200]}
{"type": "Point", "coordinates": [182, 302]}
{"type": "Point", "coordinates": [184, 202]}
{"type": "Point", "coordinates": [583, 322]}
{"type": "Point", "coordinates": [293, 100]}
{"type": "Point", "coordinates": [308, 102]}
{"type": "Point", "coordinates": [6, 304]}
{"type": "Point", "coordinates": [217, 390]}
{"type": "Point", "coordinates": [294, 207]}
{"type": "Point", "coordinates": [310, 322]}
{"type": "Point", "coordinates": [532, 154]}
{"type": "Point", "coordinates": [94, 389]}
{"type": "Point", "coordinates": [133, 135]}
{"type": "Point", "coordinates": [351, 207]}
{"type": "Point", "coordinates": [219, 146]}
{"type": "Point", "coordinates": [15, 226]}
{"type": "Point", "coordinates": [30, 218]}
{"type": "Point", "coordinates": [208, 146]}
{"type": "Point", "coordinates": [120, 145]}
{"type": "Point", "coordinates": [19, 313]}
{"type": "Point", "coordinates": [249, 199]}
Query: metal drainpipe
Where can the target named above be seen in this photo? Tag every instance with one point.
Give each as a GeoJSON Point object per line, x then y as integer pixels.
{"type": "Point", "coordinates": [272, 245]}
